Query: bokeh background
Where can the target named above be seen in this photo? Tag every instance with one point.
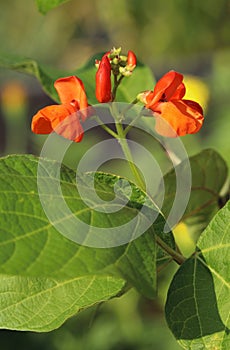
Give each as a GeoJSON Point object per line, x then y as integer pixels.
{"type": "Point", "coordinates": [192, 37]}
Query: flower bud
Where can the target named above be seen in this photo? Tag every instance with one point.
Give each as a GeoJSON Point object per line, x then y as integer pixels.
{"type": "Point", "coordinates": [131, 59]}
{"type": "Point", "coordinates": [115, 60]}
{"type": "Point", "coordinates": [124, 71]}
{"type": "Point", "coordinates": [103, 81]}
{"type": "Point", "coordinates": [114, 52]}
{"type": "Point", "coordinates": [123, 58]}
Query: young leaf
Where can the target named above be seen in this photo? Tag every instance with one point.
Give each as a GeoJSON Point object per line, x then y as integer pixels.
{"type": "Point", "coordinates": [46, 5]}
{"type": "Point", "coordinates": [198, 305]}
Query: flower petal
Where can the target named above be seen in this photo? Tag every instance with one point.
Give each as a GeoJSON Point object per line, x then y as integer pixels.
{"type": "Point", "coordinates": [165, 88]}
{"type": "Point", "coordinates": [194, 105]}
{"type": "Point", "coordinates": [71, 89]}
{"type": "Point", "coordinates": [41, 122]}
{"type": "Point", "coordinates": [62, 119]}
{"type": "Point", "coordinates": [178, 118]}
{"type": "Point", "coordinates": [179, 93]}
{"type": "Point", "coordinates": [70, 127]}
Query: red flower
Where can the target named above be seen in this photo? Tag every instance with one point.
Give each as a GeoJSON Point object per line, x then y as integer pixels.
{"type": "Point", "coordinates": [166, 101]}
{"type": "Point", "coordinates": [131, 59]}
{"type": "Point", "coordinates": [103, 81]}
{"type": "Point", "coordinates": [65, 118]}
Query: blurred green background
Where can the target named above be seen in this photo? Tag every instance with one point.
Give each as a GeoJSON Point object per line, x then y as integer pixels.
{"type": "Point", "coordinates": [192, 37]}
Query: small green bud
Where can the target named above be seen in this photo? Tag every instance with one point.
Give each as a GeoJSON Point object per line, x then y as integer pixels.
{"type": "Point", "coordinates": [124, 71]}
{"type": "Point", "coordinates": [123, 58]}
{"type": "Point", "coordinates": [115, 60]}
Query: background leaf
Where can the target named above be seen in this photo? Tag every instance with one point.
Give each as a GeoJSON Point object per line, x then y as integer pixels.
{"type": "Point", "coordinates": [46, 76]}
{"type": "Point", "coordinates": [45, 5]}
{"type": "Point", "coordinates": [205, 192]}
{"type": "Point", "coordinates": [197, 307]}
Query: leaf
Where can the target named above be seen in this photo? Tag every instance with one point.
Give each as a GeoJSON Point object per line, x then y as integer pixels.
{"type": "Point", "coordinates": [27, 227]}
{"type": "Point", "coordinates": [46, 5]}
{"type": "Point", "coordinates": [214, 244]}
{"type": "Point", "coordinates": [140, 80]}
{"type": "Point", "coordinates": [45, 75]}
{"type": "Point", "coordinates": [198, 304]}
{"type": "Point", "coordinates": [31, 248]}
{"type": "Point", "coordinates": [205, 191]}
{"type": "Point", "coordinates": [43, 304]}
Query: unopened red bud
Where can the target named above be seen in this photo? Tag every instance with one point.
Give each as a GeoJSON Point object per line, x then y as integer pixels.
{"type": "Point", "coordinates": [103, 81]}
{"type": "Point", "coordinates": [131, 60]}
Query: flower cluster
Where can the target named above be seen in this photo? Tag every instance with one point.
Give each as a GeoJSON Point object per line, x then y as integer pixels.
{"type": "Point", "coordinates": [174, 115]}
{"type": "Point", "coordinates": [66, 118]}
{"type": "Point", "coordinates": [120, 65]}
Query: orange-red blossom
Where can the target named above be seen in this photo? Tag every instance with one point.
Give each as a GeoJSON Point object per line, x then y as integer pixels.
{"type": "Point", "coordinates": [65, 119]}
{"type": "Point", "coordinates": [174, 115]}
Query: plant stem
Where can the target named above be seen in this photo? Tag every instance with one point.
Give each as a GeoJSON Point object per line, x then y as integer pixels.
{"type": "Point", "coordinates": [129, 127]}
{"type": "Point", "coordinates": [116, 84]}
{"type": "Point", "coordinates": [106, 128]}
{"type": "Point", "coordinates": [128, 155]}
{"type": "Point", "coordinates": [180, 259]}
{"type": "Point", "coordinates": [176, 256]}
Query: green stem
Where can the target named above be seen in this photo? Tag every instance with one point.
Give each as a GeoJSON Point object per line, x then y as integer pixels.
{"type": "Point", "coordinates": [106, 128]}
{"type": "Point", "coordinates": [120, 79]}
{"type": "Point", "coordinates": [116, 84]}
{"type": "Point", "coordinates": [129, 127]}
{"type": "Point", "coordinates": [180, 259]}
{"type": "Point", "coordinates": [128, 155]}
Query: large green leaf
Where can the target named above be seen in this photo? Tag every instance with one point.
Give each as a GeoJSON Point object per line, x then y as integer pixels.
{"type": "Point", "coordinates": [209, 174]}
{"type": "Point", "coordinates": [141, 79]}
{"type": "Point", "coordinates": [198, 303]}
{"type": "Point", "coordinates": [45, 5]}
{"type": "Point", "coordinates": [43, 304]}
{"type": "Point", "coordinates": [34, 252]}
